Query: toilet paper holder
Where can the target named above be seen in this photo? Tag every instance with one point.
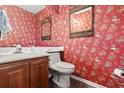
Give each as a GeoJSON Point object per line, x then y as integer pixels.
{"type": "Point", "coordinates": [118, 77]}
{"type": "Point", "coordinates": [119, 72]}
{"type": "Point", "coordinates": [122, 74]}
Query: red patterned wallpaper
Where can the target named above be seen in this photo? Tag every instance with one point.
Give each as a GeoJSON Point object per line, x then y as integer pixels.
{"type": "Point", "coordinates": [23, 25]}
{"type": "Point", "coordinates": [95, 57]}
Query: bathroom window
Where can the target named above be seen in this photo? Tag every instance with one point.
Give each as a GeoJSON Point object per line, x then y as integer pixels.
{"type": "Point", "coordinates": [81, 21]}
{"type": "Point", "coordinates": [46, 28]}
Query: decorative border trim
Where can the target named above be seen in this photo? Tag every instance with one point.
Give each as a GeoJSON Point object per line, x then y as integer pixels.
{"type": "Point", "coordinates": [95, 85]}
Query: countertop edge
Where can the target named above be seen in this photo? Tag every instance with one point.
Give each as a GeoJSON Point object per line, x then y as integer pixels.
{"type": "Point", "coordinates": [21, 59]}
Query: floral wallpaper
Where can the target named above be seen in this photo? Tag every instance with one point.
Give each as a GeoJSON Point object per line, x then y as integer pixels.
{"type": "Point", "coordinates": [23, 25]}
{"type": "Point", "coordinates": [95, 57]}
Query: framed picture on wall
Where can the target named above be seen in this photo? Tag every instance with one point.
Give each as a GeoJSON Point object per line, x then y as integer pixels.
{"type": "Point", "coordinates": [46, 28]}
{"type": "Point", "coordinates": [81, 21]}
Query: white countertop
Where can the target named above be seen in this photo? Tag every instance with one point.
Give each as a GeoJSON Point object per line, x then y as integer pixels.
{"type": "Point", "coordinates": [5, 58]}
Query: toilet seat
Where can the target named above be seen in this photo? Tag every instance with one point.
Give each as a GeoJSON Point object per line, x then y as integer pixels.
{"type": "Point", "coordinates": [64, 65]}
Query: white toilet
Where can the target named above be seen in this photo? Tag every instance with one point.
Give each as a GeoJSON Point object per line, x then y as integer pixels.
{"type": "Point", "coordinates": [61, 70]}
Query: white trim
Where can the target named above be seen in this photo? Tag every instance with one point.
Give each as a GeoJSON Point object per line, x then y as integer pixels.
{"type": "Point", "coordinates": [95, 85]}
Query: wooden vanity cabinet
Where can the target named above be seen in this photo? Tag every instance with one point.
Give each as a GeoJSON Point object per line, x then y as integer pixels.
{"type": "Point", "coordinates": [14, 75]}
{"type": "Point", "coordinates": [24, 74]}
{"type": "Point", "coordinates": [39, 73]}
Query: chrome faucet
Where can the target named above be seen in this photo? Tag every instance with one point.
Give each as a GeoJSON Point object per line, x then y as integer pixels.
{"type": "Point", "coordinates": [18, 48]}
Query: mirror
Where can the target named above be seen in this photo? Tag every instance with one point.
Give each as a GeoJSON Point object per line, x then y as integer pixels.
{"type": "Point", "coordinates": [46, 28]}
{"type": "Point", "coordinates": [81, 20]}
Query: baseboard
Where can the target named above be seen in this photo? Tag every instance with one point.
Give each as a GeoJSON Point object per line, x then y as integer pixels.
{"type": "Point", "coordinates": [90, 83]}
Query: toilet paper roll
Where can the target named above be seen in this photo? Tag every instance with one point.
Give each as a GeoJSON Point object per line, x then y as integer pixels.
{"type": "Point", "coordinates": [119, 72]}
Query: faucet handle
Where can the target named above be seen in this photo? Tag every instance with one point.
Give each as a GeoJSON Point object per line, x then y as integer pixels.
{"type": "Point", "coordinates": [18, 46]}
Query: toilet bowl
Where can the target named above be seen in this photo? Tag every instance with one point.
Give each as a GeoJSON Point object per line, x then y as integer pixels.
{"type": "Point", "coordinates": [61, 70]}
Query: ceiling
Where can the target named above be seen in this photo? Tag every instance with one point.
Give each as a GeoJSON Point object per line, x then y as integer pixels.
{"type": "Point", "coordinates": [32, 8]}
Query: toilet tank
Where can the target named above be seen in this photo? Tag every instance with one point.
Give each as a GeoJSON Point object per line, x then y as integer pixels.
{"type": "Point", "coordinates": [54, 58]}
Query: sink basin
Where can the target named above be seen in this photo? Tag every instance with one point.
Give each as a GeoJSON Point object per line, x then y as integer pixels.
{"type": "Point", "coordinates": [2, 54]}
{"type": "Point", "coordinates": [17, 52]}
{"type": "Point", "coordinates": [10, 53]}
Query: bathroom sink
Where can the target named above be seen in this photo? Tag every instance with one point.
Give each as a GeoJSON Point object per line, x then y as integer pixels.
{"type": "Point", "coordinates": [10, 53]}
{"type": "Point", "coordinates": [3, 54]}
{"type": "Point", "coordinates": [17, 52]}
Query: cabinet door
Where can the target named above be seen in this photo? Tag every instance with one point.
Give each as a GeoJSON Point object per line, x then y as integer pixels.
{"type": "Point", "coordinates": [14, 75]}
{"type": "Point", "coordinates": [39, 73]}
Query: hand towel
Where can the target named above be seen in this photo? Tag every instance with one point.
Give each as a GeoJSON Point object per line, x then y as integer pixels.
{"type": "Point", "coordinates": [4, 23]}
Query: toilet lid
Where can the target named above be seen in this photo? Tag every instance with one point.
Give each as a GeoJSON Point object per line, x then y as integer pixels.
{"type": "Point", "coordinates": [64, 65]}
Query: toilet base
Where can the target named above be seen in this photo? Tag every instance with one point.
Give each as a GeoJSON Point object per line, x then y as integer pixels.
{"type": "Point", "coordinates": [62, 80]}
